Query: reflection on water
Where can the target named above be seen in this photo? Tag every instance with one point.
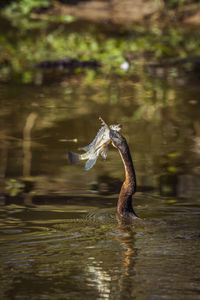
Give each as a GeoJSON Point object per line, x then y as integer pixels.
{"type": "Point", "coordinates": [27, 144]}
{"type": "Point", "coordinates": [162, 130]}
{"type": "Point", "coordinates": [57, 252]}
{"type": "Point", "coordinates": [60, 238]}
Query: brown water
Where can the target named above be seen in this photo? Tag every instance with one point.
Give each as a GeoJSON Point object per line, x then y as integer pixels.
{"type": "Point", "coordinates": [60, 237]}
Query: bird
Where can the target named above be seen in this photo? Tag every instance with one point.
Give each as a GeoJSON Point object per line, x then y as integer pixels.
{"type": "Point", "coordinates": [128, 188]}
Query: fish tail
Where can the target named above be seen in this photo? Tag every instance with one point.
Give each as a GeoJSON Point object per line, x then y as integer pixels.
{"type": "Point", "coordinates": [90, 163]}
{"type": "Point", "coordinates": [73, 157]}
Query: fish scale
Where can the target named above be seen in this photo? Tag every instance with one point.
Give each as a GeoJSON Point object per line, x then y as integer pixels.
{"type": "Point", "coordinates": [99, 146]}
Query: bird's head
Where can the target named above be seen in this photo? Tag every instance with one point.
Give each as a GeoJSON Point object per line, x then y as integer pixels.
{"type": "Point", "coordinates": [117, 139]}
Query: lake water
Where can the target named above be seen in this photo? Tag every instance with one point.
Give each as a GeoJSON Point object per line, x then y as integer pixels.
{"type": "Point", "coordinates": [60, 236]}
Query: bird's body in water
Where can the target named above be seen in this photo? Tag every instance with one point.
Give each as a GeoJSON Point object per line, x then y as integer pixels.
{"type": "Point", "coordinates": [110, 134]}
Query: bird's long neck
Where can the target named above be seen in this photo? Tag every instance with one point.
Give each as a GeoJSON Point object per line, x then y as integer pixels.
{"type": "Point", "coordinates": [124, 206]}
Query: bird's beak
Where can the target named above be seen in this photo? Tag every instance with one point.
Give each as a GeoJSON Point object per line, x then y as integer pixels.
{"type": "Point", "coordinates": [120, 126]}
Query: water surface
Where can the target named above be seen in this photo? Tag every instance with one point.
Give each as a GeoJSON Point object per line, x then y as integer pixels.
{"type": "Point", "coordinates": [60, 237]}
{"type": "Point", "coordinates": [67, 251]}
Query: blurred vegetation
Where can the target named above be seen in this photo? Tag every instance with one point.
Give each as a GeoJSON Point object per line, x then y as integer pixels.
{"type": "Point", "coordinates": [29, 35]}
{"type": "Point", "coordinates": [179, 3]}
{"type": "Point", "coordinates": [14, 187]}
{"type": "Point", "coordinates": [128, 86]}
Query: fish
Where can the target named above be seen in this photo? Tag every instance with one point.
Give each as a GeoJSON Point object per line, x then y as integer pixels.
{"type": "Point", "coordinates": [99, 146]}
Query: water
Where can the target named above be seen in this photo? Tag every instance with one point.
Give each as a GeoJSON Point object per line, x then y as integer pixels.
{"type": "Point", "coordinates": [60, 237]}
{"type": "Point", "coordinates": [64, 252]}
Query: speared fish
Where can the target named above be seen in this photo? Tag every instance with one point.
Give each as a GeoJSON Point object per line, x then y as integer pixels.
{"type": "Point", "coordinates": [98, 146]}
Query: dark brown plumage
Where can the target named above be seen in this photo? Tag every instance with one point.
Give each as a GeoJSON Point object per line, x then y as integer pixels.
{"type": "Point", "coordinates": [124, 205]}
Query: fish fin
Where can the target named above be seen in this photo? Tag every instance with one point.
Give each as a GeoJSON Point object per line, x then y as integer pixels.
{"type": "Point", "coordinates": [104, 152]}
{"type": "Point", "coordinates": [73, 157]}
{"type": "Point", "coordinates": [89, 164]}
{"type": "Point", "coordinates": [86, 148]}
